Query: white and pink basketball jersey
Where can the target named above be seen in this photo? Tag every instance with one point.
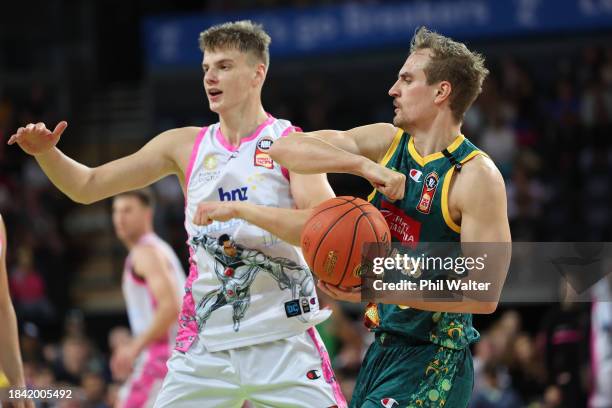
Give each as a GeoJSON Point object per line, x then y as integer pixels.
{"type": "Point", "coordinates": [245, 286]}
{"type": "Point", "coordinates": [139, 300]}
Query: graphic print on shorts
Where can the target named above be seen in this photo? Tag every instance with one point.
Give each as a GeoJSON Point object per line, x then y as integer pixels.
{"type": "Point", "coordinates": [236, 268]}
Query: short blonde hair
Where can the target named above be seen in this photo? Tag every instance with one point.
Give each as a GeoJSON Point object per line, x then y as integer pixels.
{"type": "Point", "coordinates": [452, 61]}
{"type": "Point", "coordinates": [244, 36]}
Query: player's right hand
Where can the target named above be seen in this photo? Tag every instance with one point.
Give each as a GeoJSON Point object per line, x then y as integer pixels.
{"type": "Point", "coordinates": [390, 183]}
{"type": "Point", "coordinates": [36, 139]}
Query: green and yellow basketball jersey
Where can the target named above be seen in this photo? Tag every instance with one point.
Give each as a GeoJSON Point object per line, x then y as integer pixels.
{"type": "Point", "coordinates": [423, 216]}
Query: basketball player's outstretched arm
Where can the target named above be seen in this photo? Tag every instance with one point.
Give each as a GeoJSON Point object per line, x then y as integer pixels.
{"type": "Point", "coordinates": [152, 265]}
{"type": "Point", "coordinates": [10, 356]}
{"type": "Point", "coordinates": [479, 195]}
{"type": "Point", "coordinates": [161, 156]}
{"type": "Point", "coordinates": [307, 190]}
{"type": "Point", "coordinates": [356, 151]}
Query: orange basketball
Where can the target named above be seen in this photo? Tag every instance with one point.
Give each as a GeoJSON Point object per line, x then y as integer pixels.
{"type": "Point", "coordinates": [333, 238]}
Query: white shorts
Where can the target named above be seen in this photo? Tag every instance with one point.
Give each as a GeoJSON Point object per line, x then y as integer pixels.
{"type": "Point", "coordinates": [293, 372]}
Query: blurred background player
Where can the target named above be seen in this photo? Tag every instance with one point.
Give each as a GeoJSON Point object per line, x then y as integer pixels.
{"type": "Point", "coordinates": [225, 161]}
{"type": "Point", "coordinates": [153, 281]}
{"type": "Point", "coordinates": [11, 368]}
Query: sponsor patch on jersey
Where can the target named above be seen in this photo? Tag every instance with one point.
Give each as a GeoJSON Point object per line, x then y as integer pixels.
{"type": "Point", "coordinates": [262, 158]}
{"type": "Point", "coordinates": [237, 194]}
{"type": "Point", "coordinates": [292, 308]}
{"type": "Point", "coordinates": [415, 175]}
{"type": "Point", "coordinates": [403, 227]}
{"type": "Point", "coordinates": [430, 185]}
{"type": "Point", "coordinates": [389, 402]}
{"type": "Point", "coordinates": [210, 162]}
{"type": "Point", "coordinates": [305, 305]}
{"type": "Point", "coordinates": [313, 375]}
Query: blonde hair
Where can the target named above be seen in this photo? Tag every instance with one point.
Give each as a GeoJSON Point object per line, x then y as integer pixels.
{"type": "Point", "coordinates": [244, 36]}
{"type": "Point", "coordinates": [452, 61]}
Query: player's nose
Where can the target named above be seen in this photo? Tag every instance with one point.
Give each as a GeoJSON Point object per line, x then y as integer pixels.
{"type": "Point", "coordinates": [393, 91]}
{"type": "Point", "coordinates": [210, 77]}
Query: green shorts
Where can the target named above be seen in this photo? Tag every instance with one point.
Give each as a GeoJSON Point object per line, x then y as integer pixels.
{"type": "Point", "coordinates": [399, 373]}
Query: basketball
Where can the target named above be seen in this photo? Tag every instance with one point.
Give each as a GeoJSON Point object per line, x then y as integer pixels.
{"type": "Point", "coordinates": [333, 237]}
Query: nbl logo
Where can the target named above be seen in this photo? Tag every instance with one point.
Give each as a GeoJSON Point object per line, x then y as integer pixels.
{"type": "Point", "coordinates": [430, 185]}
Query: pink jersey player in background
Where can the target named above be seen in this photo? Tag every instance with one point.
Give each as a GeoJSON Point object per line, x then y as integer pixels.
{"type": "Point", "coordinates": [152, 284]}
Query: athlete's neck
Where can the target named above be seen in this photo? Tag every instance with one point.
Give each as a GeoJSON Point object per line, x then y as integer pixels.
{"type": "Point", "coordinates": [132, 241]}
{"type": "Point", "coordinates": [242, 122]}
{"type": "Point", "coordinates": [435, 136]}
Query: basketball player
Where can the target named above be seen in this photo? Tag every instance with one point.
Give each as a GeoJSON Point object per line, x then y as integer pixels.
{"type": "Point", "coordinates": [10, 355]}
{"type": "Point", "coordinates": [268, 358]}
{"type": "Point", "coordinates": [153, 279]}
{"type": "Point", "coordinates": [454, 192]}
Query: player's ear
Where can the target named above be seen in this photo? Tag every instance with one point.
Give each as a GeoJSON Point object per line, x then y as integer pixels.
{"type": "Point", "coordinates": [260, 73]}
{"type": "Point", "coordinates": [442, 91]}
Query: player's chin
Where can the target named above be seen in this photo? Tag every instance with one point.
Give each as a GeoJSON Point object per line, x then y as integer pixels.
{"type": "Point", "coordinates": [214, 107]}
{"type": "Point", "coordinates": [397, 121]}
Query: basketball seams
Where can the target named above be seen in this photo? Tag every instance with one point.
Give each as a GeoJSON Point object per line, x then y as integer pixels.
{"type": "Point", "coordinates": [345, 201]}
{"type": "Point", "coordinates": [348, 258]}
{"type": "Point", "coordinates": [322, 238]}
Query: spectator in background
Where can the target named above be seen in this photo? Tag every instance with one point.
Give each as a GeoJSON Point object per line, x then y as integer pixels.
{"type": "Point", "coordinates": [526, 198]}
{"type": "Point", "coordinates": [498, 140]}
{"type": "Point", "coordinates": [94, 390]}
{"type": "Point", "coordinates": [527, 368]}
{"type": "Point", "coordinates": [494, 393]}
{"type": "Point", "coordinates": [75, 359]}
{"type": "Point", "coordinates": [28, 289]}
{"type": "Point", "coordinates": [564, 335]}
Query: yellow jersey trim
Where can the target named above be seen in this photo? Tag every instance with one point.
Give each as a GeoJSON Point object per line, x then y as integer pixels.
{"type": "Point", "coordinates": [388, 155]}
{"type": "Point", "coordinates": [445, 187]}
{"type": "Point", "coordinates": [422, 161]}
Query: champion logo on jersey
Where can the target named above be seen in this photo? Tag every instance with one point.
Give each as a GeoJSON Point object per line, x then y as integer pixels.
{"type": "Point", "coordinates": [389, 402]}
{"type": "Point", "coordinates": [313, 375]}
{"type": "Point", "coordinates": [416, 175]}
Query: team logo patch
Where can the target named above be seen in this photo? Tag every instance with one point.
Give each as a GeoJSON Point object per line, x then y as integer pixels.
{"type": "Point", "coordinates": [305, 305]}
{"type": "Point", "coordinates": [403, 227]}
{"type": "Point", "coordinates": [415, 175]}
{"type": "Point", "coordinates": [430, 185]}
{"type": "Point", "coordinates": [313, 375]}
{"type": "Point", "coordinates": [262, 158]}
{"type": "Point", "coordinates": [389, 402]}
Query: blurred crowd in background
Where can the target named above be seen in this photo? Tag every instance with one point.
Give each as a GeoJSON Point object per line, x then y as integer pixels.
{"type": "Point", "coordinates": [546, 125]}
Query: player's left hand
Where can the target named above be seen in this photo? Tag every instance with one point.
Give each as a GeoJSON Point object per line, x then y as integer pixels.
{"type": "Point", "coordinates": [209, 211]}
{"type": "Point", "coordinates": [341, 293]}
{"type": "Point", "coordinates": [122, 362]}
